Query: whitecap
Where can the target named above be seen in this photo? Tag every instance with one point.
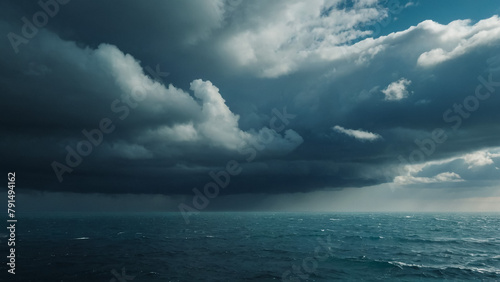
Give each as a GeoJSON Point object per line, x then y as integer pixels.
{"type": "Point", "coordinates": [401, 264]}
{"type": "Point", "coordinates": [474, 240]}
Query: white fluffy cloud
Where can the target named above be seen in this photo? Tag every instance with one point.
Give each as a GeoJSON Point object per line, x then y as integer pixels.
{"type": "Point", "coordinates": [218, 124]}
{"type": "Point", "coordinates": [169, 121]}
{"type": "Point", "coordinates": [397, 90]}
{"type": "Point", "coordinates": [194, 123]}
{"type": "Point", "coordinates": [442, 177]}
{"type": "Point", "coordinates": [480, 158]}
{"type": "Point", "coordinates": [358, 134]}
{"type": "Point", "coordinates": [279, 36]}
{"type": "Point", "coordinates": [209, 120]}
{"type": "Point", "coordinates": [458, 38]}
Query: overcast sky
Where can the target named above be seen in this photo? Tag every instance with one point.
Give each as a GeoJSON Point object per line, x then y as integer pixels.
{"type": "Point", "coordinates": [335, 105]}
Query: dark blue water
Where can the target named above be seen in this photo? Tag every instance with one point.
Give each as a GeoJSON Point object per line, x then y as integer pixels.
{"type": "Point", "coordinates": [255, 247]}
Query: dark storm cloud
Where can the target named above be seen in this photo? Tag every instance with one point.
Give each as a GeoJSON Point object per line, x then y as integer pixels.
{"type": "Point", "coordinates": [233, 68]}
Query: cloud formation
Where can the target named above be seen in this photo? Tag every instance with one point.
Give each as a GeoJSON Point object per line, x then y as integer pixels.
{"type": "Point", "coordinates": [397, 90]}
{"type": "Point", "coordinates": [460, 37]}
{"type": "Point", "coordinates": [475, 167]}
{"type": "Point", "coordinates": [480, 158]}
{"type": "Point", "coordinates": [357, 134]}
{"type": "Point", "coordinates": [442, 177]}
{"type": "Point", "coordinates": [258, 82]}
{"type": "Point", "coordinates": [287, 34]}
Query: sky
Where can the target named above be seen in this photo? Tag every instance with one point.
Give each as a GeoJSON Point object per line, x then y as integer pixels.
{"type": "Point", "coordinates": [321, 105]}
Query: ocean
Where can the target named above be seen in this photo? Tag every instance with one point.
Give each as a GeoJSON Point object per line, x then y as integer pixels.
{"type": "Point", "coordinates": [260, 246]}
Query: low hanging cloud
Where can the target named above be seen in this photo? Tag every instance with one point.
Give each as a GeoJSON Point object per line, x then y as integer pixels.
{"type": "Point", "coordinates": [397, 90]}
{"type": "Point", "coordinates": [475, 165]}
{"type": "Point", "coordinates": [358, 134]}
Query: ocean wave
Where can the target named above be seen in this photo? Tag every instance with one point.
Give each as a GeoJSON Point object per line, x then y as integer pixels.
{"type": "Point", "coordinates": [489, 241]}
{"type": "Point", "coordinates": [447, 269]}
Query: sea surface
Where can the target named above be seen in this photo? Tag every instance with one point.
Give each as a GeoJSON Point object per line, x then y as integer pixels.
{"type": "Point", "coordinates": [74, 247]}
